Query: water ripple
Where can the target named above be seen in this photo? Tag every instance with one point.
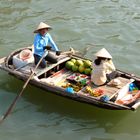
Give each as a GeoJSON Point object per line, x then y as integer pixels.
{"type": "Point", "coordinates": [107, 22]}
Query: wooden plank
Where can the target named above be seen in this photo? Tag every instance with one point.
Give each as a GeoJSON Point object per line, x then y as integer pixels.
{"type": "Point", "coordinates": [123, 81]}
{"type": "Point", "coordinates": [40, 71]}
{"type": "Point", "coordinates": [112, 91]}
{"type": "Point", "coordinates": [58, 77]}
{"type": "Point", "coordinates": [108, 90]}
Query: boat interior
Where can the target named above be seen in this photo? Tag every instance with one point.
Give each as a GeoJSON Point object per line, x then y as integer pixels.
{"type": "Point", "coordinates": [74, 82]}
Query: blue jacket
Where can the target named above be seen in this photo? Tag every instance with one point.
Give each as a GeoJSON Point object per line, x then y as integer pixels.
{"type": "Point", "coordinates": [40, 43]}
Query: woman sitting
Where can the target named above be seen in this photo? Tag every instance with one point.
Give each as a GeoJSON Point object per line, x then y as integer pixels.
{"type": "Point", "coordinates": [103, 68]}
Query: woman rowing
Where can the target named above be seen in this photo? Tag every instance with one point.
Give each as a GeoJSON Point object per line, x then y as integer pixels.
{"type": "Point", "coordinates": [41, 42]}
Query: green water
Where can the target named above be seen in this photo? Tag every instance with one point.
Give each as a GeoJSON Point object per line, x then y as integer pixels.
{"type": "Point", "coordinates": [85, 25]}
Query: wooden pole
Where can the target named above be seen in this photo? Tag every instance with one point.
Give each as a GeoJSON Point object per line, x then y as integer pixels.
{"type": "Point", "coordinates": [21, 92]}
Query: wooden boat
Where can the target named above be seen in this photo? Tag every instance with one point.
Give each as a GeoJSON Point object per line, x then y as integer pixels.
{"type": "Point", "coordinates": [64, 82]}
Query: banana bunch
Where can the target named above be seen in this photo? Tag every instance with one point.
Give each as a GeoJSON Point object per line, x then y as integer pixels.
{"type": "Point", "coordinates": [65, 85]}
{"type": "Point", "coordinates": [76, 87]}
{"type": "Point", "coordinates": [88, 89]}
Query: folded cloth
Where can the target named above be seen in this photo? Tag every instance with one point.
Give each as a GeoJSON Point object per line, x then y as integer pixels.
{"type": "Point", "coordinates": [115, 82]}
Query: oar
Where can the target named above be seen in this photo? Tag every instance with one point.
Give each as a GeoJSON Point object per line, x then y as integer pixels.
{"type": "Point", "coordinates": [21, 92]}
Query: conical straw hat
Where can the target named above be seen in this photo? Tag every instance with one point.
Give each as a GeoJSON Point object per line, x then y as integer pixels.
{"type": "Point", "coordinates": [103, 53]}
{"type": "Point", "coordinates": [42, 25]}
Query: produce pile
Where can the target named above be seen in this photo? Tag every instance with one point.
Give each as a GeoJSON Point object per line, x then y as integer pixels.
{"type": "Point", "coordinates": [95, 93]}
{"type": "Point", "coordinates": [79, 65]}
{"type": "Point", "coordinates": [76, 87]}
{"type": "Point", "coordinates": [82, 79]}
{"type": "Point", "coordinates": [76, 81]}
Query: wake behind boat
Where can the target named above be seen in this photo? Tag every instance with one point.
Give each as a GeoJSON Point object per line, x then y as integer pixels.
{"type": "Point", "coordinates": [74, 82]}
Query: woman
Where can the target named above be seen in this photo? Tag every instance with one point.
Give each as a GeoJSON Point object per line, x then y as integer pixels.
{"type": "Point", "coordinates": [103, 68]}
{"type": "Point", "coordinates": [41, 41]}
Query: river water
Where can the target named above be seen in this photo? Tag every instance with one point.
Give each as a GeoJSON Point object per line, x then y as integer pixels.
{"type": "Point", "coordinates": [85, 25]}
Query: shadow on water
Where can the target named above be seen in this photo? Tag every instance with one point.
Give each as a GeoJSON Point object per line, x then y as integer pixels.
{"type": "Point", "coordinates": [61, 109]}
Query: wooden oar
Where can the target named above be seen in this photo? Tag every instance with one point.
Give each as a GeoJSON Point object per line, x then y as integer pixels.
{"type": "Point", "coordinates": [21, 92]}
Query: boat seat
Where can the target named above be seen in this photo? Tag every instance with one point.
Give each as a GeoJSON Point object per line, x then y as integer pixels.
{"type": "Point", "coordinates": [39, 71]}
{"type": "Point", "coordinates": [57, 78]}
{"type": "Point", "coordinates": [49, 66]}
{"type": "Point", "coordinates": [119, 90]}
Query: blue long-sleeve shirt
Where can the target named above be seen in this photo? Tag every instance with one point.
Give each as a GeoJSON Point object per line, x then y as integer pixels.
{"type": "Point", "coordinates": [40, 42]}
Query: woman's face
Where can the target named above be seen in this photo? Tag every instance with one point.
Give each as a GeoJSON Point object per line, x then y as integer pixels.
{"type": "Point", "coordinates": [43, 31]}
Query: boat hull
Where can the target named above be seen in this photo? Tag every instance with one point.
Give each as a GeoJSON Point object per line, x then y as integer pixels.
{"type": "Point", "coordinates": [6, 65]}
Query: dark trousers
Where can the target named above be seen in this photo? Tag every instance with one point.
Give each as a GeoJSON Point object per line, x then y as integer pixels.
{"type": "Point", "coordinates": [112, 75]}
{"type": "Point", "coordinates": [50, 58]}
